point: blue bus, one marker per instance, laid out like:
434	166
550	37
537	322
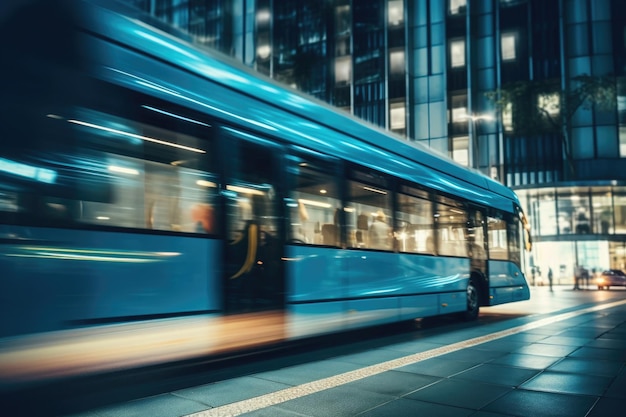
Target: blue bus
159	202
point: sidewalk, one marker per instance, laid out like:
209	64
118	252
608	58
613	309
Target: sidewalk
566	363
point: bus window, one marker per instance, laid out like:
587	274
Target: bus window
156	166
314	201
497	237
369	213
514	239
116	158
451	229
476	235
414	219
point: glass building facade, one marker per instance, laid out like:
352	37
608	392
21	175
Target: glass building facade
425	70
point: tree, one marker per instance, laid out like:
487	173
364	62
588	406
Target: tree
544	106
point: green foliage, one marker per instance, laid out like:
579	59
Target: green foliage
535	110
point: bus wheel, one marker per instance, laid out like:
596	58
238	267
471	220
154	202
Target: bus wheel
473	306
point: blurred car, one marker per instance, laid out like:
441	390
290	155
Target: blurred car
611	278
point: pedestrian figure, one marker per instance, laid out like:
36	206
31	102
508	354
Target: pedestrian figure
585	276
550	278
577	276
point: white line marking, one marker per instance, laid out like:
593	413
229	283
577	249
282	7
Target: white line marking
287	394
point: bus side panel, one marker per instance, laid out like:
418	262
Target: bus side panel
309	319
379	282
416	306
506	283
54	279
314	274
452	302
384	273
315	291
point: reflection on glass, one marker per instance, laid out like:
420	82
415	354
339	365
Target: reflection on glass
574	212
415	230
343	70
369	225
602	213
457	6
457	53
451	230
396	12
508	46
497	236
619	201
313	204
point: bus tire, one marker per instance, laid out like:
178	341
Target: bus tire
473	302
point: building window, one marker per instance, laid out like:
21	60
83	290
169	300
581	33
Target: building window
602	212
343	21
543	214
459	114
397	117
457	6
395	12
507	43
619	202
343	70
458	111
460	150
396	63
549	103
457	53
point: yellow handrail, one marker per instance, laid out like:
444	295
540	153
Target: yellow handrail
251	255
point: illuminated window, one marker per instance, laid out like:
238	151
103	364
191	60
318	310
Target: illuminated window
313	202
459	108
397	116
164	189
263	16
395	12
396	62
457	53
549	103
343	70
507	42
457	6
368	212
415	231
343	21
263	51
459	114
460	150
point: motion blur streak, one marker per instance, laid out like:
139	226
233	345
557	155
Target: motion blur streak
89	255
113	347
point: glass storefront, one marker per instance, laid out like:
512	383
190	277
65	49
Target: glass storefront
572	226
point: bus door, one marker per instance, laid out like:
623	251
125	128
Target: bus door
253	272
477	251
